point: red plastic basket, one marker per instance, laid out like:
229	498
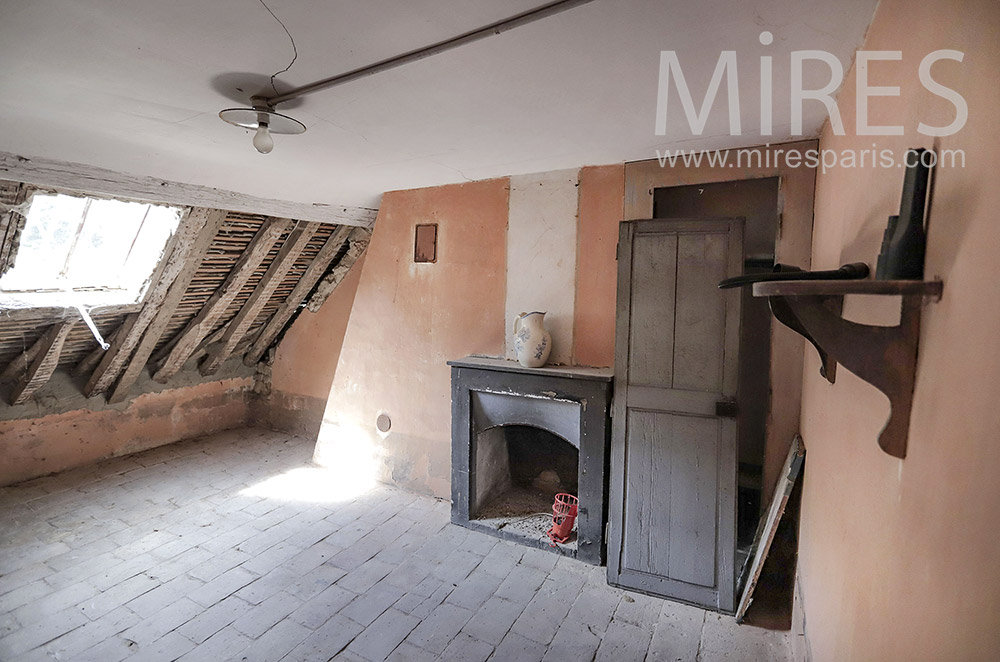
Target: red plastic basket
563	517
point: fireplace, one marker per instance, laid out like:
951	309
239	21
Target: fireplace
519	471
519	437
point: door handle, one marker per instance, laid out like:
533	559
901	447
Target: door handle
726	408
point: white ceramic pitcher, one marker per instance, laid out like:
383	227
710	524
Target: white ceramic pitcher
532	343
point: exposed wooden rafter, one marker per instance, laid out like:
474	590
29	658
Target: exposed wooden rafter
208	222
178	258
87	364
210	339
208	317
19	364
238	327
55	313
302	289
207	269
358	239
12	196
93	180
46	357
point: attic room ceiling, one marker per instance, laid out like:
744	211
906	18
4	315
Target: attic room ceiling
136	87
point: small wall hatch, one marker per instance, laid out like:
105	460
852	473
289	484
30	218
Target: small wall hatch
425	243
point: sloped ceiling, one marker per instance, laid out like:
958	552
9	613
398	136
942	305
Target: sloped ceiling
135	86
273	286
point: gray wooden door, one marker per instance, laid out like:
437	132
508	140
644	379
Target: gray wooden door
673	456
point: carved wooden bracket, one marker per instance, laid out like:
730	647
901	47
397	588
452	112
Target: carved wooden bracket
883	356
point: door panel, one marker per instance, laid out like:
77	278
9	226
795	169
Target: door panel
700	314
696	403
670	496
673	469
693	484
651	330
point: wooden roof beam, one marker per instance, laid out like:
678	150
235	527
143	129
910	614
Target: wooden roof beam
177	258
310	277
359	242
91	179
11	223
238	327
208	317
20	363
53	313
87	364
49	347
206	223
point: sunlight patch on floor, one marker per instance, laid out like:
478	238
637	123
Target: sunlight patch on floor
311	485
346	470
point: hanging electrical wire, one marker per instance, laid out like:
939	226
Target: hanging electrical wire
295	50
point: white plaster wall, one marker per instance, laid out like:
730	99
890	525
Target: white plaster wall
541	255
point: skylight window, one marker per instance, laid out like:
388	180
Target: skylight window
86	251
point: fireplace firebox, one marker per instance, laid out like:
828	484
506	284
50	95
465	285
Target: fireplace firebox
519	437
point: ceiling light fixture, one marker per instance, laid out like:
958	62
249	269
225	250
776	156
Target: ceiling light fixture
263	118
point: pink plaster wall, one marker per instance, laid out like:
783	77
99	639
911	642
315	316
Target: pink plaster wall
306	361
899	558
38	446
409	319
602	194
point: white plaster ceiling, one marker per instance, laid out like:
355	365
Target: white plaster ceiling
134	86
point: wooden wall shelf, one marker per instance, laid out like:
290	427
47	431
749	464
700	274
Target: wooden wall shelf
883	356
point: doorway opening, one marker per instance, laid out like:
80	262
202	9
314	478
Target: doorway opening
756	201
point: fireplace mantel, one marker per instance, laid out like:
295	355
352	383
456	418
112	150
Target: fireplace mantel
503	365
571	402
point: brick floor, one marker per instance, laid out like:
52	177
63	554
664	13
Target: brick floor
163	555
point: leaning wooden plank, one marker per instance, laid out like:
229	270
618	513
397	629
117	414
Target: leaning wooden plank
238	327
765	531
312	274
207	318
45	362
91	179
177	258
213	221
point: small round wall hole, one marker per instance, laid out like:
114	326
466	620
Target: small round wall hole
383	423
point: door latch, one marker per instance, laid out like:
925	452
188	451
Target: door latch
726	408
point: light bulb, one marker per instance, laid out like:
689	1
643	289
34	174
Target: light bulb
262	140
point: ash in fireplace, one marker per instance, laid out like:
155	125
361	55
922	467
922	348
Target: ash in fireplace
523	511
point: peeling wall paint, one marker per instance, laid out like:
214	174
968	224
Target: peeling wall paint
61	394
331	282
